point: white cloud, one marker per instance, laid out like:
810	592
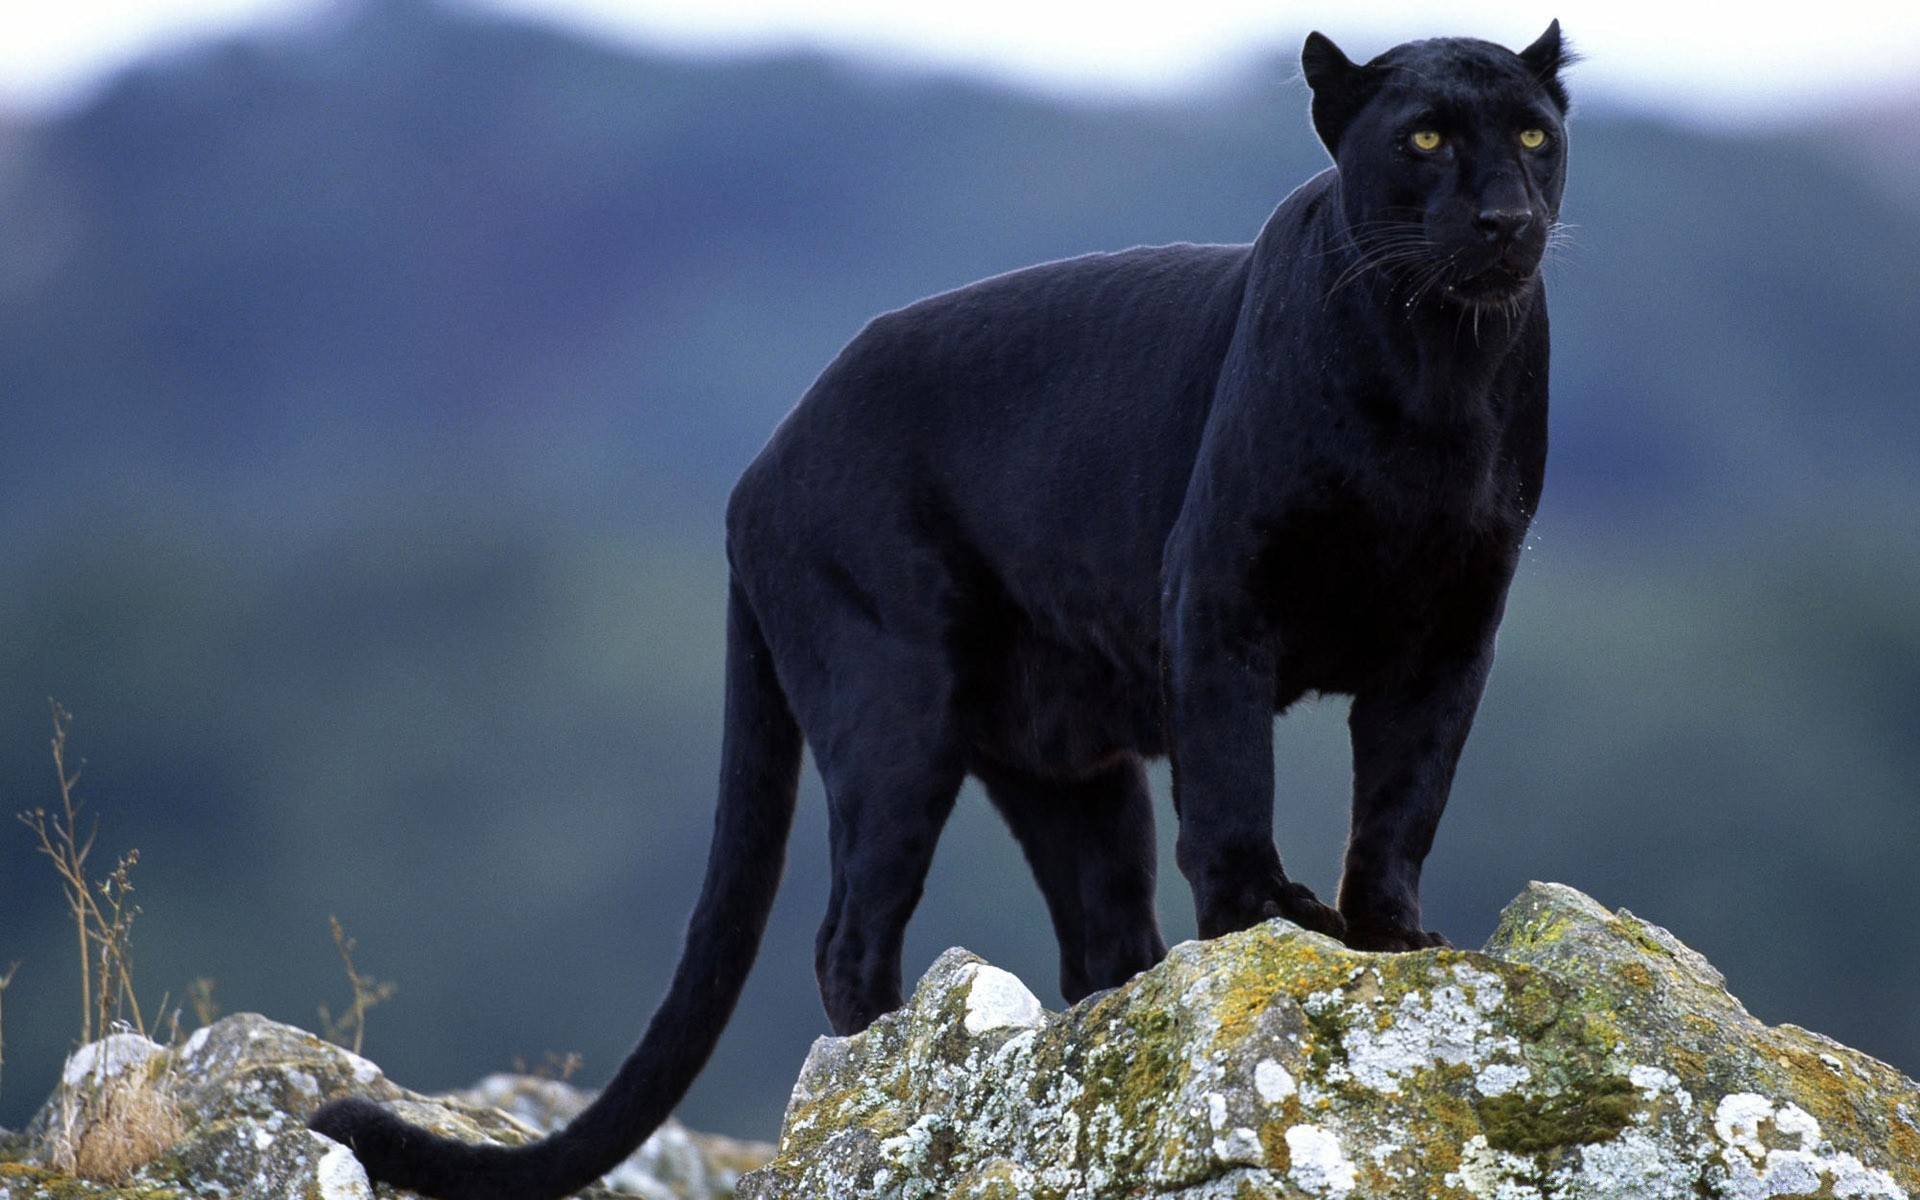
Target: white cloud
1692	56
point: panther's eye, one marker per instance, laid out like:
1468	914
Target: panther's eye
1425	139
1533	139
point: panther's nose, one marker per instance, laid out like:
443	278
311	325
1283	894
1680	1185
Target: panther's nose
1502	224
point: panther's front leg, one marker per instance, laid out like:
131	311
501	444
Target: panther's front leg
1218	688
1407	739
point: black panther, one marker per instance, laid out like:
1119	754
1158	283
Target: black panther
1043	528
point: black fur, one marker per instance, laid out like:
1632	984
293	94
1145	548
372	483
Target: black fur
1042	528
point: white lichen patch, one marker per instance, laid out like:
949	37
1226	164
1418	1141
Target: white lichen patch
1497	1079
1239	1147
1794	1121
1851	1177
1317	1164
1448	1025
1799	1173
1745	1123
1737	1120
1651	1080
1489	1174
1486	990
996	999
912	1144
1273	1082
1633	1166
107	1058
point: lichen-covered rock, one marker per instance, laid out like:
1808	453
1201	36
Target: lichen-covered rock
240	1092
1582	1054
675	1163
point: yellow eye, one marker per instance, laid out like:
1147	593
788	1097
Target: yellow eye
1533	139
1426	139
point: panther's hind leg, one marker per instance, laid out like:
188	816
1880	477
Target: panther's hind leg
1047	825
1119	857
885	819
1090	843
891	769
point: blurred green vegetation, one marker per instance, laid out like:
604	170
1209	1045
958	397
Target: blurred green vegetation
371	394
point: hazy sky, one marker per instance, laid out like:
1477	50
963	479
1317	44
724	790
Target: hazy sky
1769	59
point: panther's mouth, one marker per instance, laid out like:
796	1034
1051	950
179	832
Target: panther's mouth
1494	284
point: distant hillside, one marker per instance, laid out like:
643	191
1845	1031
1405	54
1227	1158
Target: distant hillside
368	397
421	226
1883	143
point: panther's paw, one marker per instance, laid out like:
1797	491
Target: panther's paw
1298	904
1264	899
1394	938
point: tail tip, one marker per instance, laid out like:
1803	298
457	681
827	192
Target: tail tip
361	1125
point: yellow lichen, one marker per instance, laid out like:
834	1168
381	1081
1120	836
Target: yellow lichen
1691	1063
1597	1029
1446	1122
1273	1140
1835	1099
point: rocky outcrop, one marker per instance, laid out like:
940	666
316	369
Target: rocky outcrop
1583	1053
223	1116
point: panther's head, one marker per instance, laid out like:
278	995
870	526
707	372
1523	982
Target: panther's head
1452	159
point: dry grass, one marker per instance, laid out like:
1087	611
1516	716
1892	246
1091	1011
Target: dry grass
116	1110
117	1115
558	1067
113	1122
351	1026
200	995
102	912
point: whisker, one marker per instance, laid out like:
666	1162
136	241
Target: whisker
1389	246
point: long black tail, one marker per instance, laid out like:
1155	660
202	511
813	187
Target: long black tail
759	774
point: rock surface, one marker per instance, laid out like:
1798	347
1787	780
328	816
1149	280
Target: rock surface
242	1089
674	1164
1582	1054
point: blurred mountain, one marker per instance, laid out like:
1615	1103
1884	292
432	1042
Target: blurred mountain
1883	143
368	396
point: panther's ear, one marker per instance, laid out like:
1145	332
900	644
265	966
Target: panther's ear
1545	58
1339	88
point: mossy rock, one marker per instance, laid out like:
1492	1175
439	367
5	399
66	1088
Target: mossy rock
239	1094
1583	1054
